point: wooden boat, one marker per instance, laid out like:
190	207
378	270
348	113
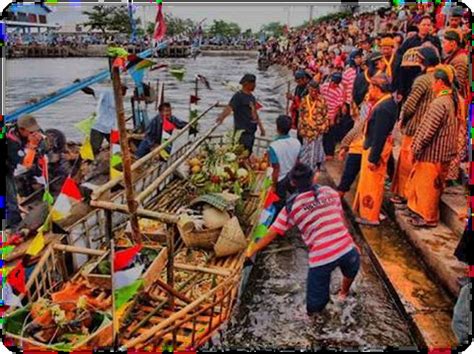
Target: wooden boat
203	293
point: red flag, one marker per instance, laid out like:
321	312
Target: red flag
194	99
43	165
258	105
272	197
16	278
123	258
71	189
160	25
114	137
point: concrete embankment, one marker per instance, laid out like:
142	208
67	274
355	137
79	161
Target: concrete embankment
411	272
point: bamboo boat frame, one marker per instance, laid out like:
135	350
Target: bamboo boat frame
213	307
42	282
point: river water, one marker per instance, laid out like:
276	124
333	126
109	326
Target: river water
32	78
272	311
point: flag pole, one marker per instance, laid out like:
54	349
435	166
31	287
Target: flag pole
126	158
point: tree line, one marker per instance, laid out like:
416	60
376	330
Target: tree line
108	18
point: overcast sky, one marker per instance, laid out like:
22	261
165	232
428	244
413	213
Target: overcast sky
247	16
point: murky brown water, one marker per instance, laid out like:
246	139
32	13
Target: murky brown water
272	312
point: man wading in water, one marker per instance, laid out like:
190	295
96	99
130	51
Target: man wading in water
243	104
317	212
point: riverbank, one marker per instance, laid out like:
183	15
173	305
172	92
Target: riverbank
99	51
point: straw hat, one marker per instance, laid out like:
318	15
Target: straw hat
231	240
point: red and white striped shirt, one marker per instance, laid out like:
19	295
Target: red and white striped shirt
348	79
334	97
321	223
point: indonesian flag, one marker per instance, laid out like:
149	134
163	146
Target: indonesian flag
160	25
68	197
123	259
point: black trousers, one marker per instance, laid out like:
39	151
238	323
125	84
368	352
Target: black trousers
247	139
283	189
97	138
336	133
351	170
13	212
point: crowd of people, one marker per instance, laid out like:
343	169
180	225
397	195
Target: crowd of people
361	82
407	66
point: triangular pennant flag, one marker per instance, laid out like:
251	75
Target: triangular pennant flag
194	99
123	258
9	297
86	150
43	165
127	277
119	63
16	278
124	294
61	208
259	232
266	217
115	160
85	126
114	173
48	198
6	250
272	197
178	73
114	137
36	245
267	183
71	189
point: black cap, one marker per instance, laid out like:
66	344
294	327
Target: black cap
457	11
336	77
248	78
451	35
429	56
314	84
373	57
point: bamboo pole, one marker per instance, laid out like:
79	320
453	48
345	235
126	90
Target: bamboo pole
75	249
216	271
172	291
169	265
139	163
170	320
170	170
154	215
126	158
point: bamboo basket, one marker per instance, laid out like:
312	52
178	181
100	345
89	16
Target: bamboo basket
52	271
231	239
198	239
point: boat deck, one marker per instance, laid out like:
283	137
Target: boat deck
209	285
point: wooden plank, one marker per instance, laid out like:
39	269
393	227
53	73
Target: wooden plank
154	270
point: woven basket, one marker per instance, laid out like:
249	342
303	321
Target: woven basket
231	240
197	239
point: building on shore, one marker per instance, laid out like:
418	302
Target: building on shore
28	18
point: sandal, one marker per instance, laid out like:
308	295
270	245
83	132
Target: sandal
419	222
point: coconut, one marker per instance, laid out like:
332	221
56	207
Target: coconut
214	218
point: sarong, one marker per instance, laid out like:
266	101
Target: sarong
370	189
312	152
404	167
425	187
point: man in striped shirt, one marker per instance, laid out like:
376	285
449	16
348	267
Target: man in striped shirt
317	212
349	75
333	93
